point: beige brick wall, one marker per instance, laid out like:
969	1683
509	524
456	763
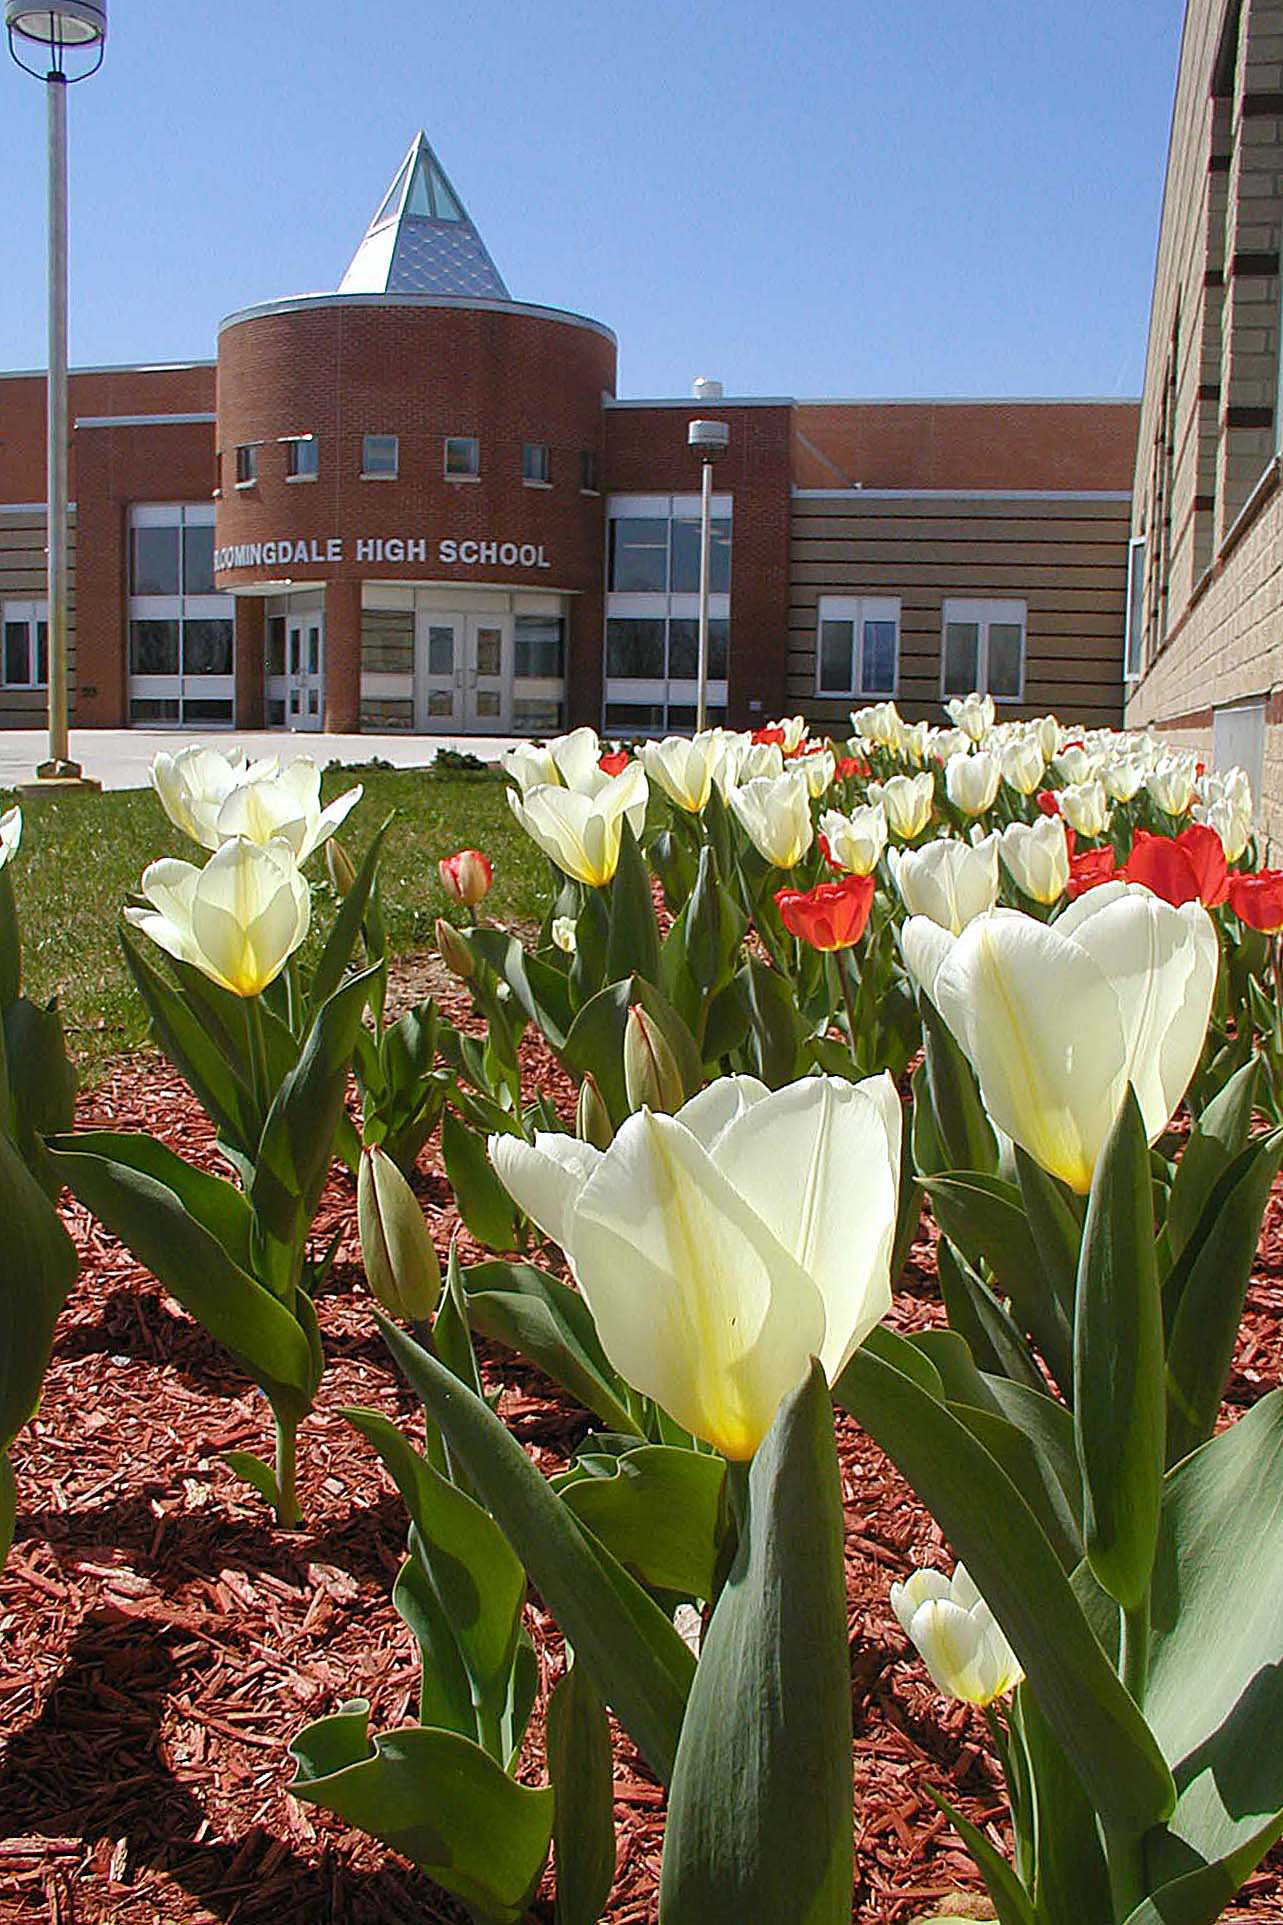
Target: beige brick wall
1207	494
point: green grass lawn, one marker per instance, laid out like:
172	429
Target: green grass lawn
82	855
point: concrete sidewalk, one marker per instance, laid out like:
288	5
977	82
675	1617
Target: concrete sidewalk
120	758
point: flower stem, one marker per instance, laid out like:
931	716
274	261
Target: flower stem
287	1511
848	997
257	1056
1133	1664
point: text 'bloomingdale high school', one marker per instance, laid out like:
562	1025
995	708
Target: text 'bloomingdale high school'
230	568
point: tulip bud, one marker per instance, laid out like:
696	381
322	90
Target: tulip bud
339	867
592	1118
565	934
466	876
651	1076
400	1258
454	951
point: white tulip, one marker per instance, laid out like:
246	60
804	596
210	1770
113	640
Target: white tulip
951	882
881	722
818	771
857	840
775	814
973	714
1085	808
971	781
1171	784
194	784
10	833
1057	1019
531	766
1075	764
794	727
907	800
943	744
682	768
957	1636
238	920
1023	764
1036	856
565	934
577	759
915	743
759	759
582	833
1123	776
1231	825
721	1248
285	806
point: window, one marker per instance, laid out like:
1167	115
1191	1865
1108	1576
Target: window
857	646
983	647
1135	607
301	457
538	648
635	647
685	541
588	471
380	457
247	464
462	457
24	662
181	633
639	555
535	464
683	648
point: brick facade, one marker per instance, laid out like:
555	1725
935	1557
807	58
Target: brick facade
1206	495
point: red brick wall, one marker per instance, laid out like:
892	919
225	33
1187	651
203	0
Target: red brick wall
1075	445
342	369
647	453
117	467
178	390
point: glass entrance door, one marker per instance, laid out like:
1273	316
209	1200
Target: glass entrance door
488	707
305	670
438	671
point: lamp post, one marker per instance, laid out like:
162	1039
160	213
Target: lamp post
71	35
708	439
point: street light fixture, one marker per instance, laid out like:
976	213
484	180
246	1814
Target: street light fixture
71	35
708	439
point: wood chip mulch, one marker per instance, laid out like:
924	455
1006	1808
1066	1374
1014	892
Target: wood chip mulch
160	1641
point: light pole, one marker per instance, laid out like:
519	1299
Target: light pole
708	439
72	35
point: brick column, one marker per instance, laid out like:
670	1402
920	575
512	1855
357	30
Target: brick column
343	657
250	627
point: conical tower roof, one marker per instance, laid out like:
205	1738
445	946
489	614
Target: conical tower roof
421	240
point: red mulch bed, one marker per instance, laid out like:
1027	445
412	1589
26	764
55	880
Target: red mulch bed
160	1642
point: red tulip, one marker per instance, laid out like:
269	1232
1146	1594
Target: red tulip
768	736
849	765
1189	867
616	763
466	876
830	916
1089	870
1257	899
1048	801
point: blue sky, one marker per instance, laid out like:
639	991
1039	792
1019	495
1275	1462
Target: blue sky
934	197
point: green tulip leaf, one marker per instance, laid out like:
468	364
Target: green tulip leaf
1217	1139
540	990
445	1695
985	1217
254	1471
1210	1281
629	1649
992	1529
759	1813
346	927
1199	1897
484	1204
961	1125
207	1061
10	942
633	943
1120	1412
1057	1235
547	1322
1010	1899
8	1506
777	1033
658	1513
191	1231
1072	1882
982	1319
436	1797
37	1272
581	1770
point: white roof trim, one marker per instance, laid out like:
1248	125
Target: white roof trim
300	303
141	420
962	494
110	367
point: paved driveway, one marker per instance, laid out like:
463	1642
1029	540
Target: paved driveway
120	758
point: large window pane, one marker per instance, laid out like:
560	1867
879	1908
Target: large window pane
204	708
153	648
683	649
42	653
639	554
837	641
623	717
17	653
877	663
1006	651
146	708
207	648
276	645
155	561
635	647
380	454
961	657
198	559
537	646
441	648
686	557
